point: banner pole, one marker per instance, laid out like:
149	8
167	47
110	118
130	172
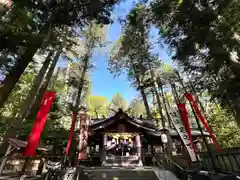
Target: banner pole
177	101
204	139
198	123
72	129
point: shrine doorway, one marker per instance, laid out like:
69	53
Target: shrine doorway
121	144
122	149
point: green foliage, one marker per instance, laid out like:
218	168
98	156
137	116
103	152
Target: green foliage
98	106
129	51
132	52
180	2
31	25
137	108
166	74
55	126
204	36
79	81
224	127
35	14
75	74
56	123
118	102
18	94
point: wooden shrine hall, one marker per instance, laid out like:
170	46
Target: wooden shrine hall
121	140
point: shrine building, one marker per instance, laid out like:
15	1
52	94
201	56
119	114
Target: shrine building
122	140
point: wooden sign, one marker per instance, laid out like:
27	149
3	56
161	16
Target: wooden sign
183	134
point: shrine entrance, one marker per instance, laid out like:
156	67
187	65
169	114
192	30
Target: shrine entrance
121	140
122	149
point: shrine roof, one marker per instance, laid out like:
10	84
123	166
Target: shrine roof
148	125
144	124
22	144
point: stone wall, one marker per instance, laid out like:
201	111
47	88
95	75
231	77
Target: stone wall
34	165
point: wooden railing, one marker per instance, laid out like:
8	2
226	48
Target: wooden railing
227	161
178	170
192	174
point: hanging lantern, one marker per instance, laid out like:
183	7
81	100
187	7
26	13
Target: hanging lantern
164	138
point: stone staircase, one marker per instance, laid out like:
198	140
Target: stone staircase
121	173
18	177
122	161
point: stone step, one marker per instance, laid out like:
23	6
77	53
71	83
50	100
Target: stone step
121	175
122	161
17	177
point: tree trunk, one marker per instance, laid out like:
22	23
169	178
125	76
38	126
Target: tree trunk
25	105
10	81
175	94
96	112
81	82
168	103
169	106
54	80
153	96
36	85
80	88
155	89
197	97
141	88
165	107
34	107
145	102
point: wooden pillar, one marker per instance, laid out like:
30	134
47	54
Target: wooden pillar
169	144
5	157
152	150
139	148
104	151
25	164
203	144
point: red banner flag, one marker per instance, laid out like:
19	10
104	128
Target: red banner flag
200	116
74	117
184	117
39	123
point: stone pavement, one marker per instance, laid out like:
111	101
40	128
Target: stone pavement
118	173
17	177
109	173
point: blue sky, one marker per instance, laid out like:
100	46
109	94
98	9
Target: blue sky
103	83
